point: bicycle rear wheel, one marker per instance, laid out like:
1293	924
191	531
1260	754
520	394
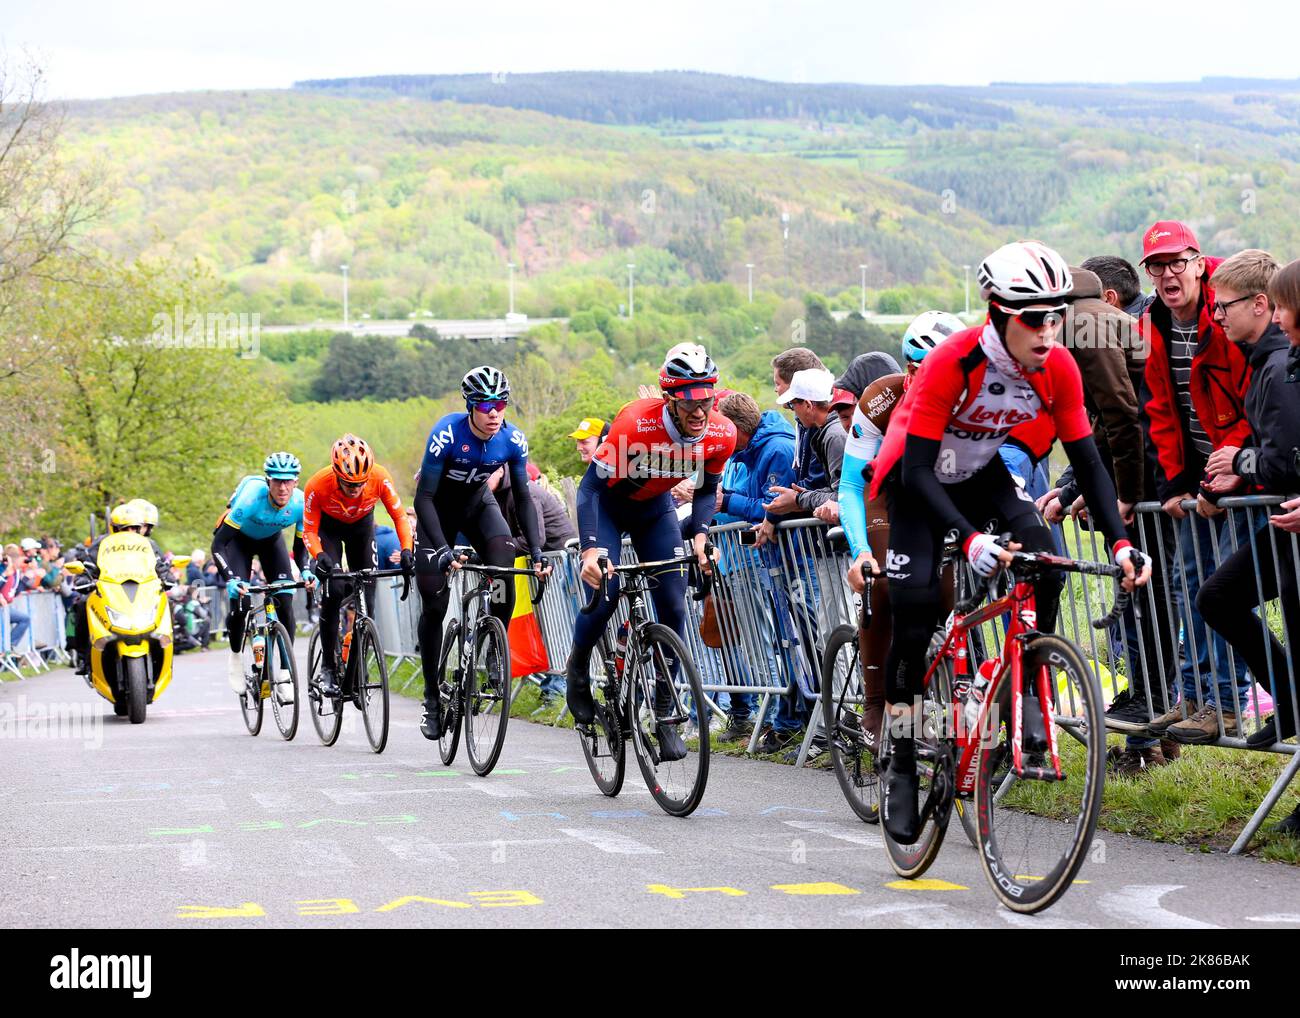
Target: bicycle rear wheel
853	762
602	743
371	677
1030	860
677	785
326	713
487	695
282	672
449	679
250	701
935	766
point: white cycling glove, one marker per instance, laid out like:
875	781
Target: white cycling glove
982	553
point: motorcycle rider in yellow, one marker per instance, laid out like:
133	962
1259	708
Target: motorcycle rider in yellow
127	516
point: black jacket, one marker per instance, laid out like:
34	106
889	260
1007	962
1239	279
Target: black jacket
865	369
1273	409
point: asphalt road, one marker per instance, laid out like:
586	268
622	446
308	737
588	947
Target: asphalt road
187	821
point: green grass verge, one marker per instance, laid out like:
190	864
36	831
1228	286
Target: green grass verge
1202	801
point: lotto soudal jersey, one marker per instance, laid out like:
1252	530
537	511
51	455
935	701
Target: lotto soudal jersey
970	394
645	455
457	462
252	513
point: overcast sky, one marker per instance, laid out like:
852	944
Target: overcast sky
94	49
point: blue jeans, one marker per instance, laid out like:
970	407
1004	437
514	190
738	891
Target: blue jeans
553	684
1205	661
19	622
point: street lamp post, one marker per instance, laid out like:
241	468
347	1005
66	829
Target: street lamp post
750	267
863	308
345	293
966	273
511	267
631	306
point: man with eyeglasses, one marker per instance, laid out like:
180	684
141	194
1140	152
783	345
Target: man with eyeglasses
338	519
1193	396
463	450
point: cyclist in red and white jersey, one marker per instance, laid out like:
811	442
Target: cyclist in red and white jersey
940	467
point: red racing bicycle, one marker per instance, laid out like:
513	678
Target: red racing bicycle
996	741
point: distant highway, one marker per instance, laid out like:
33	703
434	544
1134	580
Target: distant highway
447	328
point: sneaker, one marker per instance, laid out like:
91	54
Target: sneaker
671	744
899	811
816	747
329	686
1290	826
235	672
1170	717
1130	763
1203	726
737	730
1128	713
431	722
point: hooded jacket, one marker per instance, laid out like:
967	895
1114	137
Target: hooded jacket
1267	461
767	460
1220	376
865	369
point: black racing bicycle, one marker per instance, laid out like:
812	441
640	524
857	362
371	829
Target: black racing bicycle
474	671
646	686
360	668
270	671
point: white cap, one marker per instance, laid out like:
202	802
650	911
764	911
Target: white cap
198	556
30	544
811	383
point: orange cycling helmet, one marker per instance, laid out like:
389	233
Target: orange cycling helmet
352	459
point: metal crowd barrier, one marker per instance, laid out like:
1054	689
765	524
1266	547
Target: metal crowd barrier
44	639
776	606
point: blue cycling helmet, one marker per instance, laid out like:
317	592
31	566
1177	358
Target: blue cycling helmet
927	331
282	466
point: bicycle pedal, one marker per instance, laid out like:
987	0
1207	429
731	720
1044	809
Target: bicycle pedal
1038	774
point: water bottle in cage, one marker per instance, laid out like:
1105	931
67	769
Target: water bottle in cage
620	648
975	699
259	650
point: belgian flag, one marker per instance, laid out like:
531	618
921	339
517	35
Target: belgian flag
527	651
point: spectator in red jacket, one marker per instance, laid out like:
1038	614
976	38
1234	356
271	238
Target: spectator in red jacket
1193	396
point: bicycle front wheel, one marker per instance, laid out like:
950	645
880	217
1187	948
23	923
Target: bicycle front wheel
842	705
371	679
326	713
674	760
1029	855
602	742
487	695
282	672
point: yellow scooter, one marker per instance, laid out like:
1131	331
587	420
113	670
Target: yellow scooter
130	624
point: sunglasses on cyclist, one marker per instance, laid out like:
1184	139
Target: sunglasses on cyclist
1035	317
487	406
350	487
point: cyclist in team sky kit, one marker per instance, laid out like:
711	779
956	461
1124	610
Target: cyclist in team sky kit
867	525
652	445
463	451
939	465
338	516
258	512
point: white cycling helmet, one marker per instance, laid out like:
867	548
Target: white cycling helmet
928	330
1024	271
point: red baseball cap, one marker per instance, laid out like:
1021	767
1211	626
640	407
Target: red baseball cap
842	396
1168	237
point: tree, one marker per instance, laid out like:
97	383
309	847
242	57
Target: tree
152	400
